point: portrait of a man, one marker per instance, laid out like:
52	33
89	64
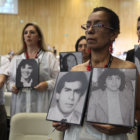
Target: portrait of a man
113	102
69	59
70	94
27	73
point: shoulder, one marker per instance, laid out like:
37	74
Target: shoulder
80	67
49	54
119	63
95	94
130	51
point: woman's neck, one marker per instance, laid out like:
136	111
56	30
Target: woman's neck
32	51
99	58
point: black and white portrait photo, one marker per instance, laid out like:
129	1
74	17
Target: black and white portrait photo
113	99
27	73
69	97
70	59
137	57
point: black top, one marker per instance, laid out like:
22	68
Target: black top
130	55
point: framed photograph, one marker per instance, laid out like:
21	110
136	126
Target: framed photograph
69	97
112	96
27	73
137	57
70	59
8	6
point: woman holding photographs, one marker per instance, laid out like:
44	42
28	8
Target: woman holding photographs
33	99
112	103
101	29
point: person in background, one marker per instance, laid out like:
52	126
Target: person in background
131	53
36	99
3	117
81	46
54	51
101	29
11	55
131	57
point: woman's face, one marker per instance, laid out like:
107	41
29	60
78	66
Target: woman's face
31	36
113	82
26	71
82	47
71	62
102	37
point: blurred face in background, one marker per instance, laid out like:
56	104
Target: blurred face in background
138	30
82	47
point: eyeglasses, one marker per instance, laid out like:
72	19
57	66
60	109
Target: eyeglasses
95	27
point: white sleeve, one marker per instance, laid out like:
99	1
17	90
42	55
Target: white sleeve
12	74
5	63
54	69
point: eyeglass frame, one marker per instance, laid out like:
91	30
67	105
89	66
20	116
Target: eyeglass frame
96	25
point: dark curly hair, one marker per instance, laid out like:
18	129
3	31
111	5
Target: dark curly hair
110	72
72	77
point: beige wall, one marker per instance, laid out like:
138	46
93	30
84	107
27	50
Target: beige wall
60	22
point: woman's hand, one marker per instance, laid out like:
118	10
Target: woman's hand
41	86
111	129
60	126
15	90
2	80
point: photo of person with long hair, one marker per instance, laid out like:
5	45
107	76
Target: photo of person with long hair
69	59
27	73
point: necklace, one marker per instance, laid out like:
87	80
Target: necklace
27	55
89	66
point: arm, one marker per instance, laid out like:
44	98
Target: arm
12	76
60	126
110	129
2	79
